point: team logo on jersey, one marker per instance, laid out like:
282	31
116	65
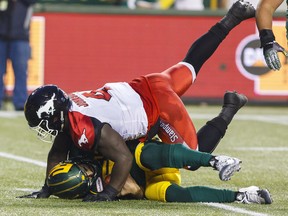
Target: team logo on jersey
48	107
169	130
83	139
251	63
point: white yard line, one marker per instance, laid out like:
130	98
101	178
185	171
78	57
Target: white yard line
276	119
43	164
23	159
262	149
235	209
11	114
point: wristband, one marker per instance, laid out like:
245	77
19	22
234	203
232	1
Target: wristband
45	187
110	191
266	36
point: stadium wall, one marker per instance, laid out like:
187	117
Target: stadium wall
85	50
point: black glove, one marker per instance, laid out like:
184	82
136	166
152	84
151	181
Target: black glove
43	193
108	194
271	49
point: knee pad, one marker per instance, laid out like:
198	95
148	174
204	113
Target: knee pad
157	191
165	174
137	154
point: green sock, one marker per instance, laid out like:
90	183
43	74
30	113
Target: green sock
176	193
158	155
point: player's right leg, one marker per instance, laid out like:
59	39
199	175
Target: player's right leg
250	195
156	155
205	46
212	132
165	191
181	79
176	125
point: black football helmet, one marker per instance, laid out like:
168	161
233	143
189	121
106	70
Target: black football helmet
45	110
71	180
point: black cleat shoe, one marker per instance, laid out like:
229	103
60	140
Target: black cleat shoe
239	11
232	103
234	100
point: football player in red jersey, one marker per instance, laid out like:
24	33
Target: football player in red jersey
100	121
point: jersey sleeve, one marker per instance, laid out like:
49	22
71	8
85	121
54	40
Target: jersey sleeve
85	131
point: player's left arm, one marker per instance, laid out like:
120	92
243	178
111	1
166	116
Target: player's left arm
130	190
264	16
58	151
264	13
112	146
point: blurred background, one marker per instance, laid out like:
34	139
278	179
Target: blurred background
83	44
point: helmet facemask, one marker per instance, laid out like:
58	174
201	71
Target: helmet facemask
44	133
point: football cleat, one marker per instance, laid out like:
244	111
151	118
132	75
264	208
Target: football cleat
239	11
255	195
231	104
234	100
226	166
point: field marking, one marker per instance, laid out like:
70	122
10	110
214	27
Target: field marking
43	164
235	209
23	159
262	149
11	114
25	190
277	119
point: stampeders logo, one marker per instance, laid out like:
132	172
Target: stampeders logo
169	131
47	108
251	63
83	139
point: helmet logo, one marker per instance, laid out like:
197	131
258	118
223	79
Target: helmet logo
83	139
48	107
